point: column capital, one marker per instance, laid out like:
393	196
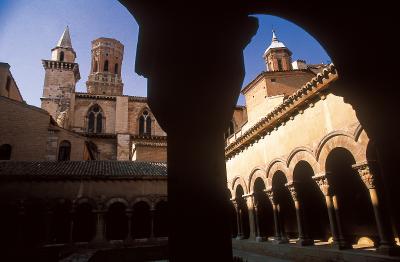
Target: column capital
292	190
322	182
270	194
366	173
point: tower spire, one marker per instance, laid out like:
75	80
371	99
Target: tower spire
65	39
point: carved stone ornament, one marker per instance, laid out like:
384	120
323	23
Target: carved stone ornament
366	175
270	195
292	191
323	184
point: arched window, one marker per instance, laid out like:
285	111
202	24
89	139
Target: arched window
116	68
64	151
145	124
5	152
61	56
95	119
106	66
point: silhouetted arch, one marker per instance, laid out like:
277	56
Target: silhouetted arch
84	222
64	151
141	220
5	152
116	221
161	219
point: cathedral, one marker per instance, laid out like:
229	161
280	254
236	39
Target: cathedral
91	173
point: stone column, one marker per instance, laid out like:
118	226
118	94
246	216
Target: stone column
48	225
278	238
100	226
386	236
152	210
21	221
334	221
303	239
250	209
239	235
256	203
128	238
71	227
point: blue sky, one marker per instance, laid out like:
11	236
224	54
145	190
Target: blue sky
29	29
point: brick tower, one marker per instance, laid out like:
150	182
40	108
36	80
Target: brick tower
277	56
105	74
61	76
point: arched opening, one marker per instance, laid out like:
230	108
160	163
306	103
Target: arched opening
62	56
64	151
161	219
312	203
116	222
84	226
116	69
105	69
285	207
141	220
61	223
265	216
5	152
243	217
33	224
9	225
145	123
354	203
95	119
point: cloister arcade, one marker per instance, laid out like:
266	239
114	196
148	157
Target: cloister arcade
38	222
332	194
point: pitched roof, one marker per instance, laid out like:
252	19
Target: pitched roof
65	39
82	169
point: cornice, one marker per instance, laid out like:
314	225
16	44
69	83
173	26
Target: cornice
299	101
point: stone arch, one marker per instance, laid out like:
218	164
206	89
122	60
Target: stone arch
340	139
301	154
83	200
257	172
115	200
239	181
141	199
277	164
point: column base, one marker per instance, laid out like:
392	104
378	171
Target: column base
390	250
341	244
305	242
261	239
239	237
279	240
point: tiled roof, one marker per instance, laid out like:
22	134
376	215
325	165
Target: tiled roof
82	169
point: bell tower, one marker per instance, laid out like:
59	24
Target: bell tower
61	76
277	56
105	73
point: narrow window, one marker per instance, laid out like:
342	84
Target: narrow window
279	64
145	124
5	152
61	56
116	69
106	66
95	120
64	151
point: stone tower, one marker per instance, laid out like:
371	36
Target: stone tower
277	56
61	76
105	74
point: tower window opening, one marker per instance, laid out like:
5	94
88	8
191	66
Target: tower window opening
64	151
95	120
106	66
95	66
145	123
116	69
280	68
61	56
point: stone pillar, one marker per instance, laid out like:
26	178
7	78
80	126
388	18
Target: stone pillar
48	225
386	237
100	227
303	239
250	210
152	210
71	227
128	238
257	221
239	235
334	221
21	221
279	237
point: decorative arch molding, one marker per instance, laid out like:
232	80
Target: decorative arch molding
357	132
116	200
236	182
277	164
257	172
141	199
329	136
85	200
344	140
301	154
158	200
